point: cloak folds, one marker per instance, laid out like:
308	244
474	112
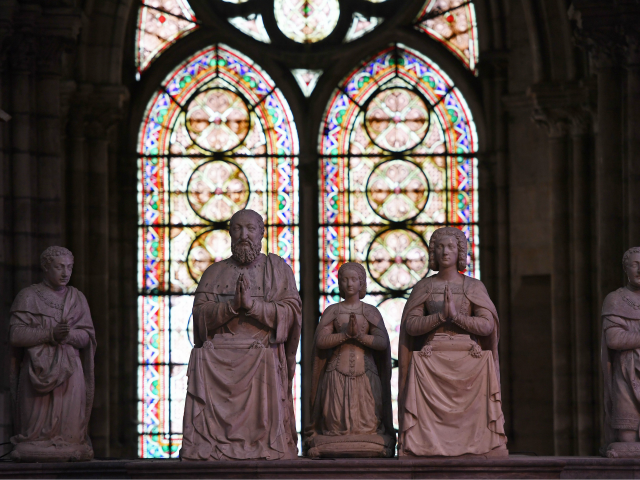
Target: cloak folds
476	293
50	364
322	356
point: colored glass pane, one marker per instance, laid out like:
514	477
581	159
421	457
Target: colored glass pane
397	161
217	136
160	24
306	21
452	23
251	25
307	79
361	25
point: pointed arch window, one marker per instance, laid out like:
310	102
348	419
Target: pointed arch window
217	136
397	160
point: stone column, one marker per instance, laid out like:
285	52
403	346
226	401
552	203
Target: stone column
609	176
22	168
632	176
49	170
103	109
584	325
561	109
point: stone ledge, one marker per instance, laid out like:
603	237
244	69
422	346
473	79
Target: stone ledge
512	467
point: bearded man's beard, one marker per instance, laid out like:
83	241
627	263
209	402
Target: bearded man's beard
245	252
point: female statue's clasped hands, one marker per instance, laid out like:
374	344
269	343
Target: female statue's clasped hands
351	394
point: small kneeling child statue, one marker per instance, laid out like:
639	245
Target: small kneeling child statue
449	374
351	388
53	344
620	363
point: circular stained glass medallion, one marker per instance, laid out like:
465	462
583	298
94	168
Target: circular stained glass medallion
218	120
398	258
397	119
207	248
306	21
218	189
397	190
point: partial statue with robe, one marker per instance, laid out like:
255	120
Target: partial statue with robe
246	326
52	378
621	363
351	412
449	400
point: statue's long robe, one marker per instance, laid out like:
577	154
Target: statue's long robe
382	359
620	365
239	402
52	383
449	403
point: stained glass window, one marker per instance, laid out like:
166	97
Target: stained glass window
251	25
361	25
397	160
306	21
160	24
217	136
307	79
452	23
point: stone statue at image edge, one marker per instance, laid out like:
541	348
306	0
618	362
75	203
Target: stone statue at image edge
621	363
53	344
246	327
449	373
351	387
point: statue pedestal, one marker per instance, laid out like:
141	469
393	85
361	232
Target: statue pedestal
515	466
46	451
351	446
623	450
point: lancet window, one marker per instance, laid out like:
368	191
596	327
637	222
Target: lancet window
397	160
217	136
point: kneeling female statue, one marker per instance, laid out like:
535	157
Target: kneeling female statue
351	390
449	380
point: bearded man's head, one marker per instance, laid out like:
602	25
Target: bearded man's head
246	228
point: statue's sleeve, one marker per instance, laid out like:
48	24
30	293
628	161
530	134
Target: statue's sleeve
419	324
210	313
264	312
24	337
77	338
375	339
481	323
617	335
284	311
325	337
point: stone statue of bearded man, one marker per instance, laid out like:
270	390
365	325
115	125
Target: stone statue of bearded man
247	321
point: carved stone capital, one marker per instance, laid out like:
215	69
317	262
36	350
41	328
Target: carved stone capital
96	108
21	52
562	108
48	54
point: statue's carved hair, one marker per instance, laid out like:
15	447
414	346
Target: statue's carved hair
47	256
247	211
461	240
627	254
362	275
